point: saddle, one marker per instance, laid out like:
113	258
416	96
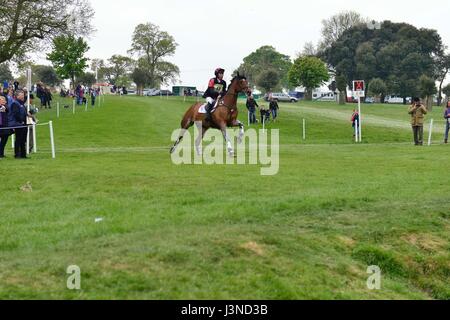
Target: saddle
202	109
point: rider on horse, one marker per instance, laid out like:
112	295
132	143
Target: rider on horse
216	89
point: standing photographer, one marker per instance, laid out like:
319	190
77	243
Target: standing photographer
417	112
447	121
4	133
17	119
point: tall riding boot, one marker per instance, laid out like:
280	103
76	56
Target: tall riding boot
208	111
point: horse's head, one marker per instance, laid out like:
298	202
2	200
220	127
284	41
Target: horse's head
241	84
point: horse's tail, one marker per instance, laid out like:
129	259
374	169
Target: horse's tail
189	117
186	123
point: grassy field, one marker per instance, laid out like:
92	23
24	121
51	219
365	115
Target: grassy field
226	232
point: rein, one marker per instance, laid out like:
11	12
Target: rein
222	102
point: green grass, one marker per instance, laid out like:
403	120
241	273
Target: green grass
226	232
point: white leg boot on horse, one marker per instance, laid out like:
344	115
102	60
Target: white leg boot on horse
198	141
239	124
228	141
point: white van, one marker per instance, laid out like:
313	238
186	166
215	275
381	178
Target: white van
395	99
324	96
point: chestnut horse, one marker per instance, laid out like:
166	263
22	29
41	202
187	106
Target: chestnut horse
225	115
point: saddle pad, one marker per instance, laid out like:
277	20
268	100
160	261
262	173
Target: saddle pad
202	109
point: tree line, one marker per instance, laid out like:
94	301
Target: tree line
393	58
62	27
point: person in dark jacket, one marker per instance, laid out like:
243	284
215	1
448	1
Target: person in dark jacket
4	133
447	121
265	114
217	88
274	108
355	120
17	118
48	98
251	107
40	93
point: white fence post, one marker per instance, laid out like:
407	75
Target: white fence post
34	139
304	129
431	132
28	140
52	138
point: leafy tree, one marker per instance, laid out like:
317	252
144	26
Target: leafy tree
118	67
377	87
88	79
268	80
341	84
152	45
397	53
442	70
28	25
263	59
97	66
335	26
123	81
309	72
5	73
427	89
446	91
68	57
46	74
140	78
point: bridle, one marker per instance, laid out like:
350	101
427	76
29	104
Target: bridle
235	94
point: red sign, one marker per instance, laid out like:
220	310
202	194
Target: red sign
359	85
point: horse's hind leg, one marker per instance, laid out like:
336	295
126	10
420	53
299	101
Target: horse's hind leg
185	125
201	134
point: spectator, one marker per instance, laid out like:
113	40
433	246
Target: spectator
48	98
417	112
16	85
274	108
355	118
62	93
10	97
251	107
40	93
17	118
447	118
5	85
4	133
93	96
265	114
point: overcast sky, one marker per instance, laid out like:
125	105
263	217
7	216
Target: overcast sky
213	33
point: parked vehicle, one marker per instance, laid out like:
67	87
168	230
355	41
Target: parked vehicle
369	100
152	92
324	96
297	94
166	93
396	99
282	97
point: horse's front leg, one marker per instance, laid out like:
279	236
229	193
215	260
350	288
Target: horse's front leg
227	140
239	124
